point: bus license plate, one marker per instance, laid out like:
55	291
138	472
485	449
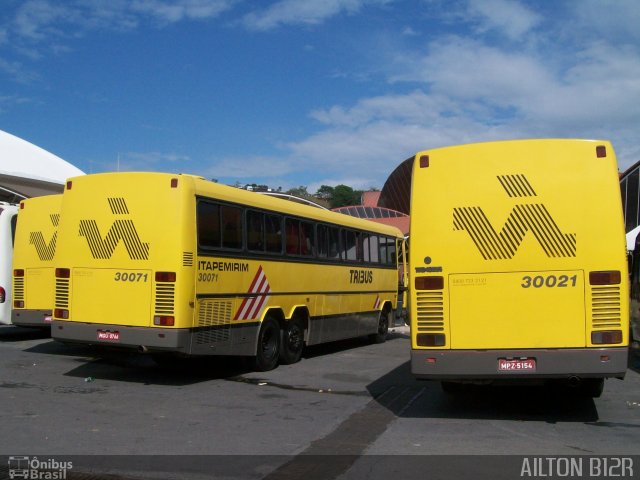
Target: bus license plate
108	336
517	365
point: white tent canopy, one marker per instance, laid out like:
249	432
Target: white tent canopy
27	170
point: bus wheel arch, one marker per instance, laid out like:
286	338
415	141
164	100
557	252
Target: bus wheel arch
384	320
293	336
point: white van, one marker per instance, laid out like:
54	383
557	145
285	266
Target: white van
8	218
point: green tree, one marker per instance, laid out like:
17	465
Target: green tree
325	192
300	191
344	195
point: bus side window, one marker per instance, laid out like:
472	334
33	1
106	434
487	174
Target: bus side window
208	218
334	243
323	241
292	230
231	227
350	245
306	238
273	232
255	231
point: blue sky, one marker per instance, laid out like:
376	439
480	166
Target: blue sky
312	92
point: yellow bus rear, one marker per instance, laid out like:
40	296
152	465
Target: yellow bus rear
176	264
518	263
33	261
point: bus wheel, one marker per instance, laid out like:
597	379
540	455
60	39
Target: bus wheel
592	387
292	342
268	346
383	326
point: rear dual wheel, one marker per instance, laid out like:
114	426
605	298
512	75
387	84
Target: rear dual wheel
292	341
268	350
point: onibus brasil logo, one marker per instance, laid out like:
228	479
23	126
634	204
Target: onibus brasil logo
121	230
524	218
38	469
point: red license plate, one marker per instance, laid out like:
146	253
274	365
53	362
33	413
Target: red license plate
108	336
517	365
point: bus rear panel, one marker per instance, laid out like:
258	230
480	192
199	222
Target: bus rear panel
518	267
33	261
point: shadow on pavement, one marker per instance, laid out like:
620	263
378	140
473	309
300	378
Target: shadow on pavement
425	399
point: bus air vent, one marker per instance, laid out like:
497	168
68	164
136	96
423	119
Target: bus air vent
62	293
18	288
214	319
187	259
165	295
605	306
430	311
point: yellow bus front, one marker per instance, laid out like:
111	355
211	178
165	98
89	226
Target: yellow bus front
518	265
33	261
120	279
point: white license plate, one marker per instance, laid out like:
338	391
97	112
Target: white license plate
108	336
517	365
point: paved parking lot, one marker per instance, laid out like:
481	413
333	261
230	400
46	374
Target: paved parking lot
351	399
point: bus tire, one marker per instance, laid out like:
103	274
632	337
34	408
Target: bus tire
268	349
592	387
383	326
292	342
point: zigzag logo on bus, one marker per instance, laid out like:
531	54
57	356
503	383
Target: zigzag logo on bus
45	250
253	305
122	229
534	217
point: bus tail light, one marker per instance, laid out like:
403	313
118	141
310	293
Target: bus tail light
3	295
424	161
165	276
61	313
18	304
609	277
601	151
18	272
164	321
174	183
69	184
63	273
606	337
429	283
431	339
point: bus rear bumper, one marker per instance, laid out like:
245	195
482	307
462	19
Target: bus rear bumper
140	338
31	318
552	363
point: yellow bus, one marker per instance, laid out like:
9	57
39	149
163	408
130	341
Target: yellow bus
177	264
518	264
33	261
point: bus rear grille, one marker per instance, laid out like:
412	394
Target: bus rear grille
187	259
430	311
214	322
62	292
18	288
605	307
165	294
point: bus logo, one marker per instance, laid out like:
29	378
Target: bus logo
45	250
524	218
121	230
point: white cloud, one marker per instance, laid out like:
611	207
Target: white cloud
310	12
176	11
149	161
506	16
40	20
